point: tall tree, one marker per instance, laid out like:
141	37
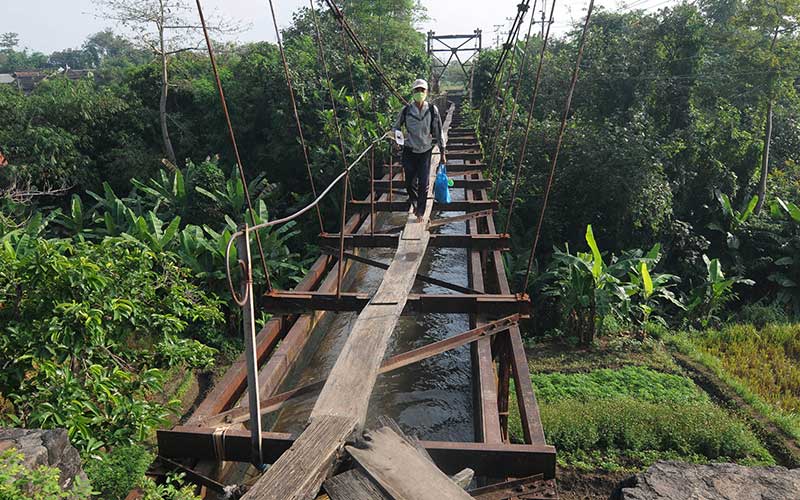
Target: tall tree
165	28
9	41
770	26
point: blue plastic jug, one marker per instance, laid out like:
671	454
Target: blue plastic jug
441	186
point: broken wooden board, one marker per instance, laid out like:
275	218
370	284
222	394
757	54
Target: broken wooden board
299	472
401	470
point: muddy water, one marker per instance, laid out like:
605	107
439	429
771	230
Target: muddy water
432	398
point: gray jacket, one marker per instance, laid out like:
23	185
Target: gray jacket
418	135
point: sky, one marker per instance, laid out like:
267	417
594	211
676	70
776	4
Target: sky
50	25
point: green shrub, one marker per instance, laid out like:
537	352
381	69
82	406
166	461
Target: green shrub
87	329
41	483
114	474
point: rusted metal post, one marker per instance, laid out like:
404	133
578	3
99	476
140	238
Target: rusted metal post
248	321
503	382
340	265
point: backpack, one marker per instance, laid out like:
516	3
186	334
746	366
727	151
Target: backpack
434	112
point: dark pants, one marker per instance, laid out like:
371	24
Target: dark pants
417	168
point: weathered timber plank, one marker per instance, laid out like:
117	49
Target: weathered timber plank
353	484
401	470
300	471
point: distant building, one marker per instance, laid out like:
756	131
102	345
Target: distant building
26	81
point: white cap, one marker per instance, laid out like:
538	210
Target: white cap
420	83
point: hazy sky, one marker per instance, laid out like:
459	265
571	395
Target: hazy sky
49	25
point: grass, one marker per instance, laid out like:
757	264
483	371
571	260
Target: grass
608	352
631	417
694	345
765	359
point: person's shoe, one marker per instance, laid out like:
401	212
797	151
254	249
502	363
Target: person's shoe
419	218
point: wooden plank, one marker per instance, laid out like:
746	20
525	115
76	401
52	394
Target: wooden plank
353	485
401	470
486	459
300	471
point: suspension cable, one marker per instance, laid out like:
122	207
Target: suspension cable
531	108
330	85
337	13
499	65
233	142
558	144
523	68
506	94
294	109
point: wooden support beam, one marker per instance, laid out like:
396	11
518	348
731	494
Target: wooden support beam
273	403
491	460
295	302
389	240
402	206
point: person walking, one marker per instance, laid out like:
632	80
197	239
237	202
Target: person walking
423	125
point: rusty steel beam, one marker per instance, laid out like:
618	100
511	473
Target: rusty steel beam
230	387
275	402
487	420
389	240
403	206
491	460
420	277
457	183
459	169
464	155
296	302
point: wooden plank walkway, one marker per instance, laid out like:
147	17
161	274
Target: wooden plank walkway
341	408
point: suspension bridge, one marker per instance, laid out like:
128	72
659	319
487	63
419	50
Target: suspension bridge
341	452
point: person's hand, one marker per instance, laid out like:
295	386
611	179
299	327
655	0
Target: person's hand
443	158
